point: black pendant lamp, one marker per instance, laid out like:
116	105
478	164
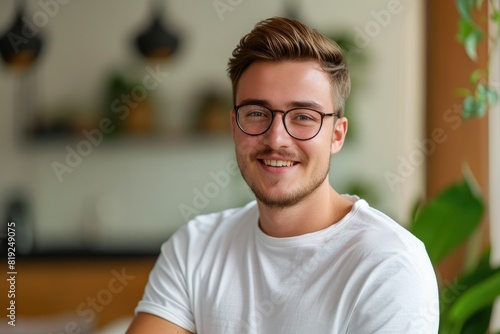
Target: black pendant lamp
156	41
21	44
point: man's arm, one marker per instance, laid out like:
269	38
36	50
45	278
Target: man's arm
151	324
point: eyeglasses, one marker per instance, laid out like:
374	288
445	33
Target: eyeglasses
300	123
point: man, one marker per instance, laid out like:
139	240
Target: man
301	258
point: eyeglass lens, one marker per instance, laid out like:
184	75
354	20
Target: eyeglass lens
299	123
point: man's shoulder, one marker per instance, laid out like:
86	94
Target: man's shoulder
382	230
219	224
380	243
223	219
209	235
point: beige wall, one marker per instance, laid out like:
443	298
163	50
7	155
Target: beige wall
494	175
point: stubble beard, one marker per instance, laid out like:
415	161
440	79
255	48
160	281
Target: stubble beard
289	199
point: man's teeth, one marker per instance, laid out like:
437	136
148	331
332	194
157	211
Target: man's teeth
278	163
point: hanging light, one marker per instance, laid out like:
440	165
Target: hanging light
157	42
21	44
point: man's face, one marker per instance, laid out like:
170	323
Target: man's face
305	164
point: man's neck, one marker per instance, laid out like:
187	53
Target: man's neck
321	209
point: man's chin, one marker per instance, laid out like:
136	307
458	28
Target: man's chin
279	202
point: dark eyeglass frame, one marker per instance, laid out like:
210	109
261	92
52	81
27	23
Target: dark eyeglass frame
284	112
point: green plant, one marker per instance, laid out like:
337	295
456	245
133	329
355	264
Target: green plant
466	302
481	94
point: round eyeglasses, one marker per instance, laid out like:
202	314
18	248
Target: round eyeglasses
300	123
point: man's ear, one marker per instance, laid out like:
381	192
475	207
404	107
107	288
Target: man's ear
339	133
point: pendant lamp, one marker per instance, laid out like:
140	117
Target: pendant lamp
21	44
157	41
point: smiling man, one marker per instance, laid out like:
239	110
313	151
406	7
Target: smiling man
302	257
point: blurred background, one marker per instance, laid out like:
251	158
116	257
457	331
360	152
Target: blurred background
168	113
114	132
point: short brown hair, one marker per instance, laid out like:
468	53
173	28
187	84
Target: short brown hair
278	39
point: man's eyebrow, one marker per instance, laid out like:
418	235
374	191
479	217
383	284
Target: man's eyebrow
255	101
290	105
305	104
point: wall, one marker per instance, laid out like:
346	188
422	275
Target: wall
136	187
494	173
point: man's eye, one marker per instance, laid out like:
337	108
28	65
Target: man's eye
303	118
256	114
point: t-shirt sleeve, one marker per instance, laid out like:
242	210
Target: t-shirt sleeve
400	296
166	294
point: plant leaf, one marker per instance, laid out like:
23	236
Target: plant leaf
478	322
463	92
449	292
495	17
471	42
468	107
474	299
476	76
464	29
473	107
492	95
470	36
481	93
480	272
447	221
464	8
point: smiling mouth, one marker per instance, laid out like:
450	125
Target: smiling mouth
278	163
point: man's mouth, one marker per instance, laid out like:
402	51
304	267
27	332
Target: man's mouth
278	163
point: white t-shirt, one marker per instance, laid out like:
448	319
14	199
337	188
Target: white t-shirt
365	274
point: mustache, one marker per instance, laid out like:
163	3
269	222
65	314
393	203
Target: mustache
270	151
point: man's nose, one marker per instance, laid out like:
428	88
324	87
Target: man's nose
277	134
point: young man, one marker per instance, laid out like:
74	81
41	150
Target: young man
301	258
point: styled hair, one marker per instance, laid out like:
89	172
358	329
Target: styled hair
281	39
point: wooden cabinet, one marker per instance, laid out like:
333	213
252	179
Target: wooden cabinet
93	291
